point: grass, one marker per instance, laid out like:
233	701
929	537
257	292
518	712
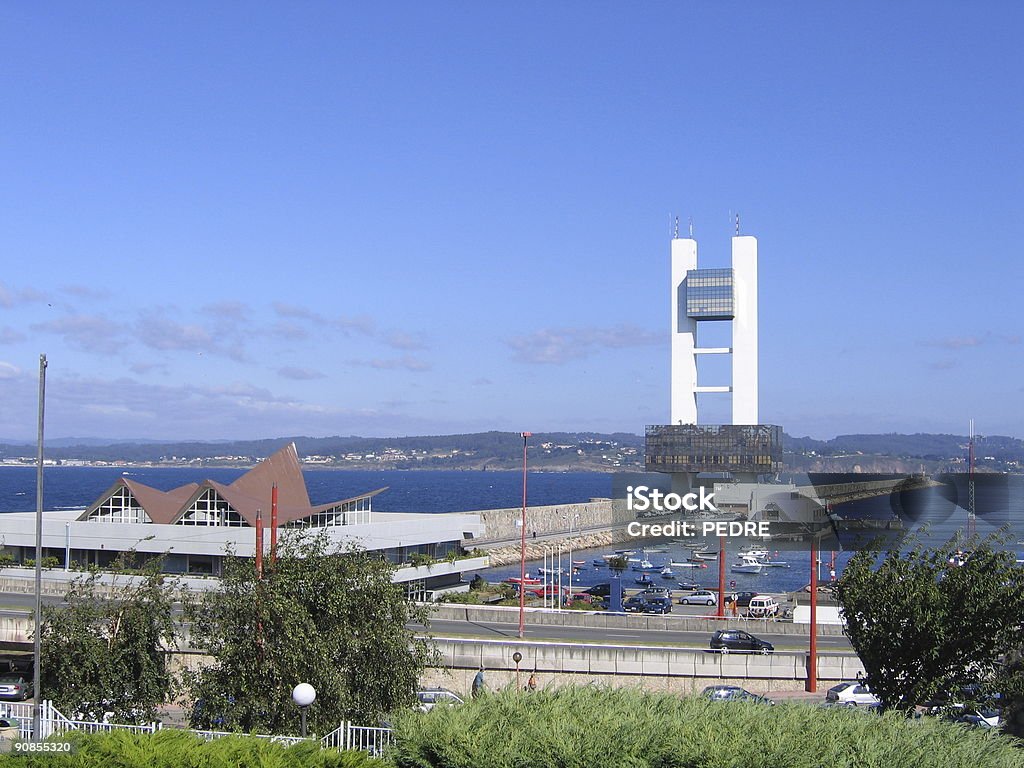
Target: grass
621	728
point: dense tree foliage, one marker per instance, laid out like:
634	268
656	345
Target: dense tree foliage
330	618
105	650
924	626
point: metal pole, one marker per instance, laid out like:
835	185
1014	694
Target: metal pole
302	717
36	714
67	546
812	660
570	555
721	577
273	525
522	549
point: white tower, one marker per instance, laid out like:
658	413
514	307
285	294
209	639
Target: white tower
703	295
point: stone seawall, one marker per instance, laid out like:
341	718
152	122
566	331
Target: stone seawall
503	525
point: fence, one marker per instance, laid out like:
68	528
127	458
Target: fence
344	737
359	737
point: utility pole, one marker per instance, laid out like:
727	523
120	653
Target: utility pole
36	669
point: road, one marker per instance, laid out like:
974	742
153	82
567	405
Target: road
630	636
18	604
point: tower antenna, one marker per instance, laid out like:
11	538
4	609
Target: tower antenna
691	227
675	232
737	225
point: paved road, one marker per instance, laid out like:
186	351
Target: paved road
628	636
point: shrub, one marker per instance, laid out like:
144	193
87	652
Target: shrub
581	727
181	748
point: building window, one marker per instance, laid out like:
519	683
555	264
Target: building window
119	507
211	509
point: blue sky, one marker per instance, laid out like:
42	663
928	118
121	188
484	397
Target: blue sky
230	220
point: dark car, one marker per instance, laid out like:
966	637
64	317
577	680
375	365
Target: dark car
726	640
689	586
743	599
599	590
650	592
15	688
658	604
634	604
733	693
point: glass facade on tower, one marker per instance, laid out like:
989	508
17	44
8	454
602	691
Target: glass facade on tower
709	294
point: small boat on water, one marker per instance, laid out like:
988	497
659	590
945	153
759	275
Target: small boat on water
667	573
645	580
600	562
747	565
644	565
677	564
578	563
705	555
551	572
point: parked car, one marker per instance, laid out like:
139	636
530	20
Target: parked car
634	604
762	607
15	688
742	599
726	640
700	597
733	693
656	592
689	586
853	692
599	590
658	604
428	698
9	730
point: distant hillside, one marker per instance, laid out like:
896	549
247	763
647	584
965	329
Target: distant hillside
588	451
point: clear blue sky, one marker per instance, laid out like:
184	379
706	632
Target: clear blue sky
240	220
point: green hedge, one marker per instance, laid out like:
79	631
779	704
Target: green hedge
602	728
181	749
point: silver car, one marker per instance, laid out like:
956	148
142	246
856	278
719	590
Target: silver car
700	597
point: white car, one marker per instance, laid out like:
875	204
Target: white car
700	597
854	693
428	698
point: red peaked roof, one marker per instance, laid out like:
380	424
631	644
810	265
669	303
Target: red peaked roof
249	493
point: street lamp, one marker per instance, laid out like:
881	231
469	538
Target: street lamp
522	547
303	695
517	657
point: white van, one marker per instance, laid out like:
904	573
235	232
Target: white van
763	607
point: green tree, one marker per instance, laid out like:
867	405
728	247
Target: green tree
923	626
106	649
328	617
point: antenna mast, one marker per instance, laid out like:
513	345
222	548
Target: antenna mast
971	518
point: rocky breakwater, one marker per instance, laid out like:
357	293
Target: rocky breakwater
535	548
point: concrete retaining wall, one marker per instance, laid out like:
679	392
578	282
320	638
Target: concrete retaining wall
673	669
603	619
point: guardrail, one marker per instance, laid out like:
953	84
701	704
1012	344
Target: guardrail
347	736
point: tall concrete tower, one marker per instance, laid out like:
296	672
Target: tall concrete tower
706	295
685	448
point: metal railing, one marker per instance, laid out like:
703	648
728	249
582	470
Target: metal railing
372	740
359	737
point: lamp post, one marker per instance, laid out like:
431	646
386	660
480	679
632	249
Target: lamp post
37	647
303	695
522	548
517	657
572	517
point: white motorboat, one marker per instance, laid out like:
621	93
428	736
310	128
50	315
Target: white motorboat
747	565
